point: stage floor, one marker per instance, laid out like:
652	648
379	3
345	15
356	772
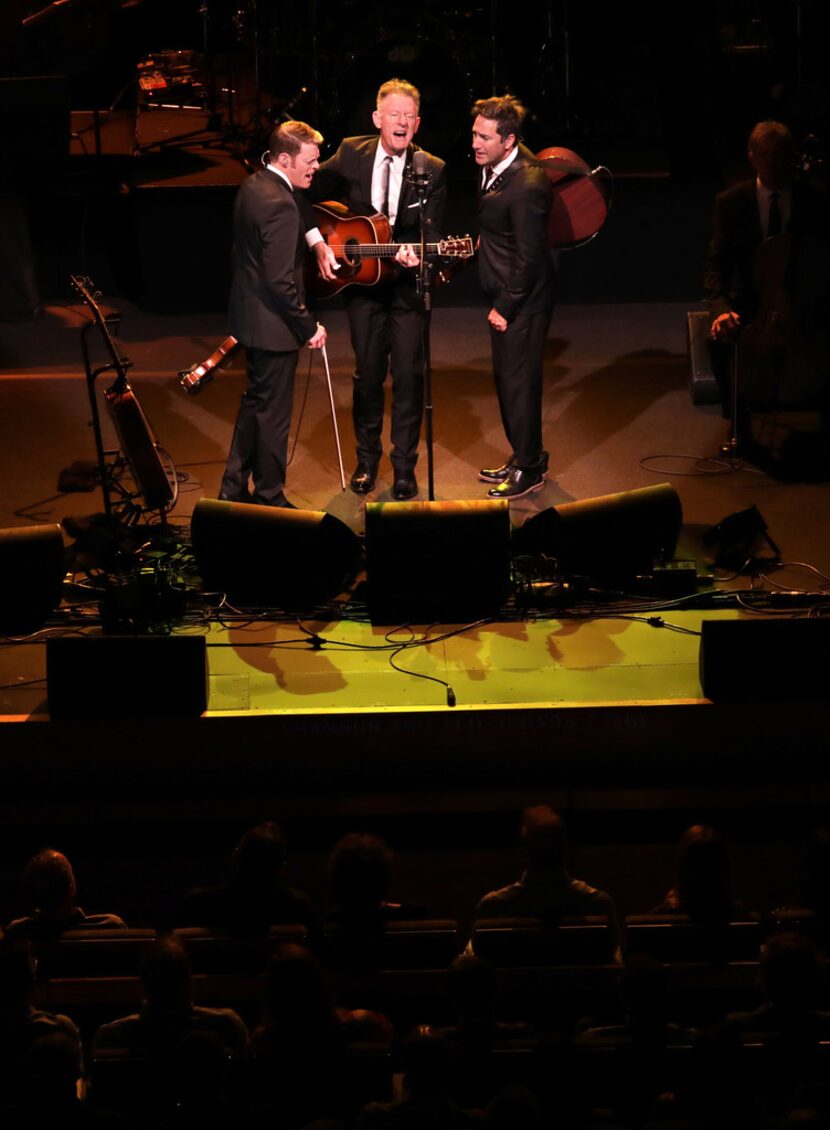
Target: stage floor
617	415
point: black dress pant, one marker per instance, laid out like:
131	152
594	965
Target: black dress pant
518	356
259	447
386	328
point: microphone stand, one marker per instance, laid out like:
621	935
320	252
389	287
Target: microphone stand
420	179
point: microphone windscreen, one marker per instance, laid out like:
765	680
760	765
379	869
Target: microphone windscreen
419	162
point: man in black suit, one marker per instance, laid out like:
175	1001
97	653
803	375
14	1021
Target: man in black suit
747	214
370	175
518	278
268	314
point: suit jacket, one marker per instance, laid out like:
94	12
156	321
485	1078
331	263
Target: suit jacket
347	176
514	263
729	279
267	304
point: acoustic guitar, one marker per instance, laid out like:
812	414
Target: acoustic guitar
363	247
138	444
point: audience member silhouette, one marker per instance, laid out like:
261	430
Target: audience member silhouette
791	977
360	880
545	889
168	1013
471	986
427	1103
703	885
199	1084
302	1038
53	1076
472	989
815	884
257	895
50	890
643	987
513	1108
21	1024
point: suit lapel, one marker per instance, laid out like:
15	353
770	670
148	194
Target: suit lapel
367	165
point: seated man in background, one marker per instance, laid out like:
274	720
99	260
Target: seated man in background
168	1014
257	895
21	1024
744	274
50	890
545	889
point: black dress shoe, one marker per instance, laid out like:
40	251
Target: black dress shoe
497	474
363	479
405	486
243	496
500	474
517	484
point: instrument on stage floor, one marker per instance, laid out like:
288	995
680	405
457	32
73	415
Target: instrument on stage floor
581	198
196	377
154	478
363	247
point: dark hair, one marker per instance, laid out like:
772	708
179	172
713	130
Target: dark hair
471	984
543	836
506	111
703	885
360	871
289	137
165	971
261	852
48	880
296	992
790	971
815	876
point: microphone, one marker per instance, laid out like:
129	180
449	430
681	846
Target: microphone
419	173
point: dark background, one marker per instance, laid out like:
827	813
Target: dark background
664	95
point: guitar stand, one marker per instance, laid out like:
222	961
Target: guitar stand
120	506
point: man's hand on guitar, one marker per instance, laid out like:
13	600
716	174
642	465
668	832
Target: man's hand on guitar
406	256
725	327
326	262
319	339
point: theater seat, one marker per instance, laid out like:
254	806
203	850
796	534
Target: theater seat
418	944
586	940
675	937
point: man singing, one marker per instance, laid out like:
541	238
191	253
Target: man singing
518	278
267	313
370	174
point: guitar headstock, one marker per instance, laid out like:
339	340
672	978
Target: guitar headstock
456	247
91	295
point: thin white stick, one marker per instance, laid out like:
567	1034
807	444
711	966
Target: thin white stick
334	418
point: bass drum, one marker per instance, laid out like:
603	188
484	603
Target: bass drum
401	44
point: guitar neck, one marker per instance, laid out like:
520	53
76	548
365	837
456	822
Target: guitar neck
377	250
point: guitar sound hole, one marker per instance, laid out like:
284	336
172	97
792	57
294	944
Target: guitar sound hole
351	254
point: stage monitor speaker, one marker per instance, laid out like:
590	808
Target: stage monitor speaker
446	562
614	536
126	676
32	568
270	555
768	659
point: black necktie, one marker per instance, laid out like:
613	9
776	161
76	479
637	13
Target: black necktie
488	177
384	185
774	221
